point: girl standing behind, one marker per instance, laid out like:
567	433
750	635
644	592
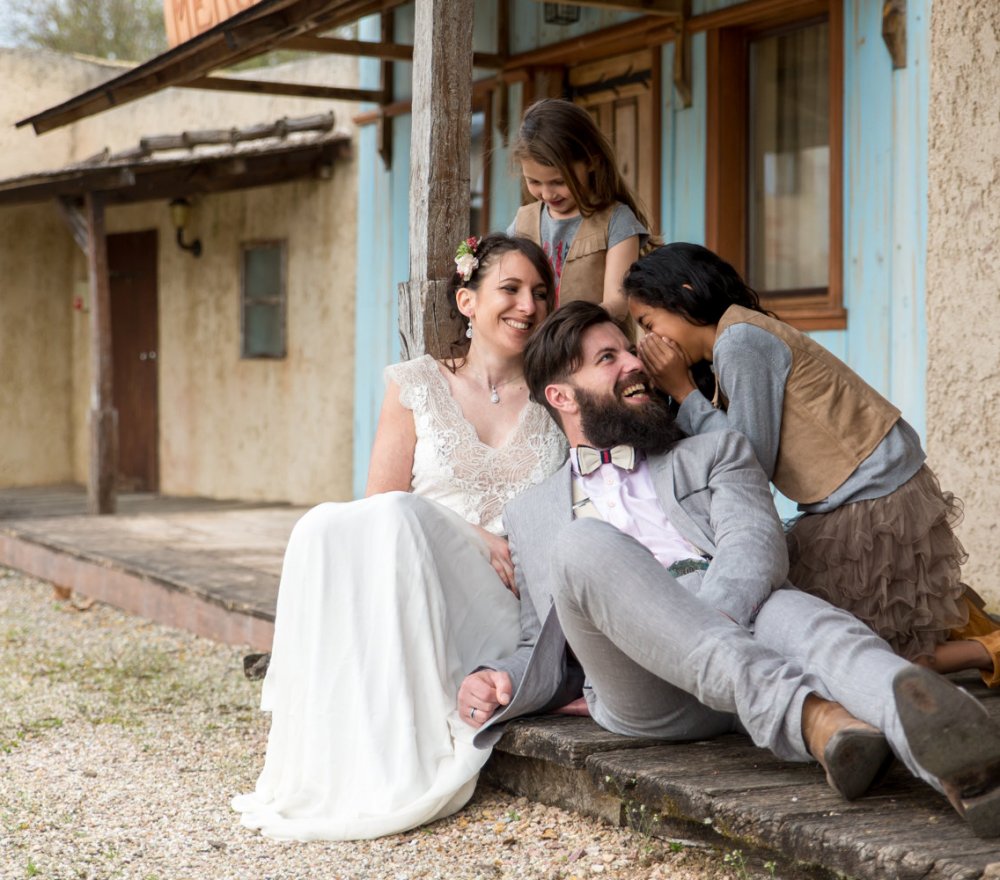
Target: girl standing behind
586	219
875	537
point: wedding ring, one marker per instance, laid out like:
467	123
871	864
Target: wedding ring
472	712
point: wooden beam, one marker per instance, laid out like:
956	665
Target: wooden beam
362	48
385	49
101	490
503	93
628	36
386	75
682	61
77	223
404	107
750	12
894	31
296	90
439	170
673	8
248	34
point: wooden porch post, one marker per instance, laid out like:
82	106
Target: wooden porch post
439	171
101	496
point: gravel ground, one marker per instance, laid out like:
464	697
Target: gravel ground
121	743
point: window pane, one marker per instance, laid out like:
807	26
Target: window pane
263	300
262	330
789	173
262	272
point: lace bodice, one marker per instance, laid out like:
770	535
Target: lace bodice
452	466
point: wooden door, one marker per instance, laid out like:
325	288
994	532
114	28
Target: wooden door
622	94
135	347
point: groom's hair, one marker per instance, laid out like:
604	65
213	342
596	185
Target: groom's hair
555	351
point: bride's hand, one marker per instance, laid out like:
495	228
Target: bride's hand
500	559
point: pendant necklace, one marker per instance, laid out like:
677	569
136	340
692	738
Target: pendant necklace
495	388
495	394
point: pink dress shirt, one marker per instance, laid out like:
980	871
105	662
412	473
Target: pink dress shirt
627	500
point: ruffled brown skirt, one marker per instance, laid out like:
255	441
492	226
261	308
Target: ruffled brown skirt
893	562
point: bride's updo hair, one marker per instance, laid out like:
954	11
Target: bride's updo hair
490	248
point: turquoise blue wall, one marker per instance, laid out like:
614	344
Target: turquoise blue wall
382	256
885	198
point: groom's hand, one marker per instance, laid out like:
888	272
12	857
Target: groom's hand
481	693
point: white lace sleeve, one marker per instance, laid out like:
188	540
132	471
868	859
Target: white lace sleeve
411	377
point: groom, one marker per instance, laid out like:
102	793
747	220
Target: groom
659	567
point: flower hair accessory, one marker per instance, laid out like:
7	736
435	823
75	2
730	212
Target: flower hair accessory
466	261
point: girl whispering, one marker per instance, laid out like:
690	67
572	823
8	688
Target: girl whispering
875	535
585	218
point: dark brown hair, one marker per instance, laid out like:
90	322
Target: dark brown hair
691	281
556	350
558	133
490	248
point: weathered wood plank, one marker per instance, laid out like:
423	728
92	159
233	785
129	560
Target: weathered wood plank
103	416
902	830
383	131
564	740
670	8
440	137
439	157
427	323
386	49
75	220
267	87
561	786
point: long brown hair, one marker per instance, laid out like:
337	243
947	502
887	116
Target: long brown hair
558	133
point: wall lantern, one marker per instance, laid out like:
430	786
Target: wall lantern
561	13
180	210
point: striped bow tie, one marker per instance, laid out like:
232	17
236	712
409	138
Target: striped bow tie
589	459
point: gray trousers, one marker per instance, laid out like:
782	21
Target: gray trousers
661	663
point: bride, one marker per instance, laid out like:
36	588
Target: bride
386	603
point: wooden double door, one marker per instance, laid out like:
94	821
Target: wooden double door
132	261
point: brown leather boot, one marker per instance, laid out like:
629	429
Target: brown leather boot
853	754
953	738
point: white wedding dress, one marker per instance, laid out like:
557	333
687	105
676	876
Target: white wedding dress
385	605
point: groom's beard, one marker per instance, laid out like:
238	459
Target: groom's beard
608	420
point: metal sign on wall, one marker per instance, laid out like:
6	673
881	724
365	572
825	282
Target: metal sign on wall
188	18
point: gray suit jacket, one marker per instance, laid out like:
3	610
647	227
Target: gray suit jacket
713	492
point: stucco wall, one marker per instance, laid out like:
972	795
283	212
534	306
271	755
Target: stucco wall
256	429
278	430
35	348
34	79
963	275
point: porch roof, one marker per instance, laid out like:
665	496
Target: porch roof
191	163
304	25
268	25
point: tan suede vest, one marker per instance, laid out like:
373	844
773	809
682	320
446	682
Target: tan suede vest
831	419
583	272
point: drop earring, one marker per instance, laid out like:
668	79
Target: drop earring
468	331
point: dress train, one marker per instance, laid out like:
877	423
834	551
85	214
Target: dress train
385	605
